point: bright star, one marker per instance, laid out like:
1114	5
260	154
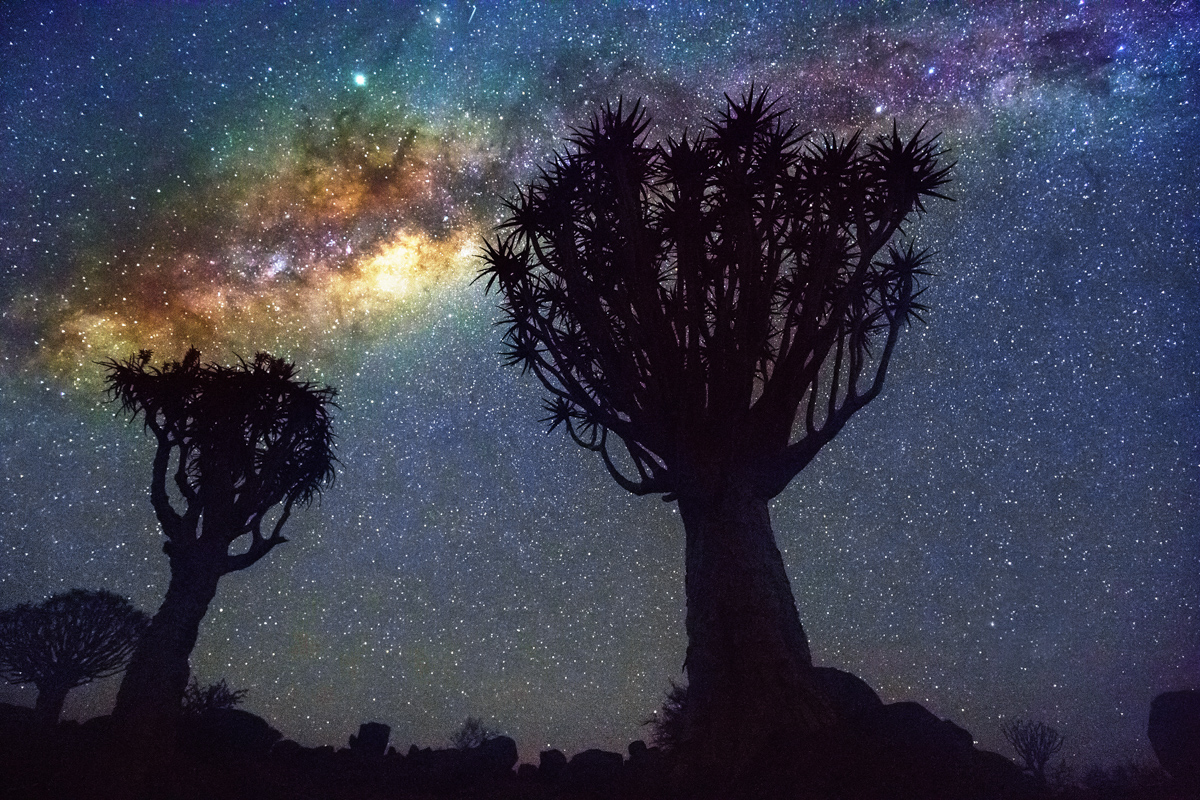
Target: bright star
360	79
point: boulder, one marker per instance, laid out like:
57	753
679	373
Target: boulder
453	770
1174	732
917	728
494	758
648	770
902	750
22	749
594	769
16	720
849	694
372	740
442	769
551	764
287	750
642	757
1004	777
228	733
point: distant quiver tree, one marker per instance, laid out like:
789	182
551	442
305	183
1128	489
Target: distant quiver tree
233	442
67	640
706	314
1035	743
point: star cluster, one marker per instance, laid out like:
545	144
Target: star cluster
1010	530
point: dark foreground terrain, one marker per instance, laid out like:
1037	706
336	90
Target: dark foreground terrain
889	752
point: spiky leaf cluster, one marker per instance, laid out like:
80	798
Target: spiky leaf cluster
730	295
69	639
243	439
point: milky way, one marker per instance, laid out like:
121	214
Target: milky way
1011	530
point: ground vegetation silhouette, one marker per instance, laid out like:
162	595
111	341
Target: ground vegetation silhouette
666	726
901	751
237	448
706	315
65	641
198	701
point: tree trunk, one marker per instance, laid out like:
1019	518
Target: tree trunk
751	690
49	705
158	672
148	702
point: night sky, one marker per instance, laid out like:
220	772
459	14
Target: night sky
1012	529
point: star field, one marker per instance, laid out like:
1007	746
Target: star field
1011	529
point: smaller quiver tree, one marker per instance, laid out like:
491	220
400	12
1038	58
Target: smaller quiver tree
233	443
1035	743
67	640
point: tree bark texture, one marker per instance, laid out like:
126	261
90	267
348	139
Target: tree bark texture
749	668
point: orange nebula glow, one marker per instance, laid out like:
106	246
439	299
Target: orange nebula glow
342	233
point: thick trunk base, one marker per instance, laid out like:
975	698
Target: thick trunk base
49	705
148	703
752	701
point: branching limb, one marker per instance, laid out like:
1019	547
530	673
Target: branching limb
168	517
260	545
648	484
181	476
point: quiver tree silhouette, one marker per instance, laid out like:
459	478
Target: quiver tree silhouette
65	641
233	442
1034	743
706	314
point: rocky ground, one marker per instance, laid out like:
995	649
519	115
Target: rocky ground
887	752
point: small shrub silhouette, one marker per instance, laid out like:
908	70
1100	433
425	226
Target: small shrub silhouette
216	696
666	726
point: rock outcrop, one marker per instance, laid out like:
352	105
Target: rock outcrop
1174	732
372	739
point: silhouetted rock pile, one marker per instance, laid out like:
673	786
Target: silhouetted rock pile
228	734
884	752
372	740
892	751
902	750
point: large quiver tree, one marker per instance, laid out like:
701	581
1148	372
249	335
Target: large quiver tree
717	307
65	641
237	448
